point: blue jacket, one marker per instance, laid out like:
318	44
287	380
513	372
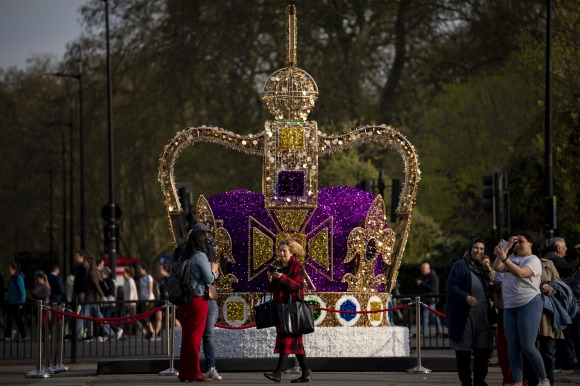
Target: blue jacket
16	291
200	273
562	306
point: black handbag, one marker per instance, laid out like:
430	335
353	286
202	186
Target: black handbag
492	317
266	313
296	316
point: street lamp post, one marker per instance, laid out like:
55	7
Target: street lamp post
550	208
64	238
112	218
79	77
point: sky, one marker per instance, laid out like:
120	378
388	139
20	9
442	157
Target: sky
30	27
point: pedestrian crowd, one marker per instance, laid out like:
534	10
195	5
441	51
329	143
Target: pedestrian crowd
524	304
90	290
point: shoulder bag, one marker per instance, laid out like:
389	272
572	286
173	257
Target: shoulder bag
296	316
266	313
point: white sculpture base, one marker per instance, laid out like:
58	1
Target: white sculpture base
348	342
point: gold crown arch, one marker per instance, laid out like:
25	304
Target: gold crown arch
290	142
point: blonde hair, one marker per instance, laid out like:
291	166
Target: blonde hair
41	275
294	247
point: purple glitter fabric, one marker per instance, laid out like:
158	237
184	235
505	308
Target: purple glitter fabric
346	205
291	183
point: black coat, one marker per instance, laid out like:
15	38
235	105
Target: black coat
429	286
57	291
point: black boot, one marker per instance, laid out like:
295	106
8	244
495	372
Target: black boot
305	371
276	377
304	378
464	366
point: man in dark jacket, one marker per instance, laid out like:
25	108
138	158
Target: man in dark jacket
78	295
429	285
557	255
56	285
564	347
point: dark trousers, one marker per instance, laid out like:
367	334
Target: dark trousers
575	333
15	312
480	366
565	351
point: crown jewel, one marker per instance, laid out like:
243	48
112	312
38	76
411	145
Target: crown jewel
290	92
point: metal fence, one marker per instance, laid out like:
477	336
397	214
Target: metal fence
82	338
86	339
430	338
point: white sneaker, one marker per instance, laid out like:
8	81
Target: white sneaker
103	338
119	333
544	383
213	374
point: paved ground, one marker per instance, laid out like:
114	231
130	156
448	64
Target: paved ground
85	374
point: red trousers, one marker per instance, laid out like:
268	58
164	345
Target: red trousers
502	349
192	317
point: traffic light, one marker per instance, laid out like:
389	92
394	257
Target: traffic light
496	200
184	193
488	194
110	232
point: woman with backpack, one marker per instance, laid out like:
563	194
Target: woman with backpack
193	314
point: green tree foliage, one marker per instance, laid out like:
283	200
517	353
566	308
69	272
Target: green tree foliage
425	234
344	168
469	130
462	79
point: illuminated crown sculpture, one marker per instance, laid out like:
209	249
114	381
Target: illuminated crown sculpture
352	257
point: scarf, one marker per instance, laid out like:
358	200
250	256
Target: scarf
478	268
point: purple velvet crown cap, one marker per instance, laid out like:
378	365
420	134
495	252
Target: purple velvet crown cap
346	205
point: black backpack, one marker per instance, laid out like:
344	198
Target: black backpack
178	288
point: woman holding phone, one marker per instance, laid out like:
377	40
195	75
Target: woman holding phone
285	282
522	301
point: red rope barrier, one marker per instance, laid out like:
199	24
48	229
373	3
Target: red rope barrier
435	311
235	327
340	311
112	321
360	312
318	308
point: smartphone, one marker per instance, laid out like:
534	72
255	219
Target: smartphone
503	243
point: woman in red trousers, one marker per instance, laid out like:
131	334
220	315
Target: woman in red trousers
193	315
